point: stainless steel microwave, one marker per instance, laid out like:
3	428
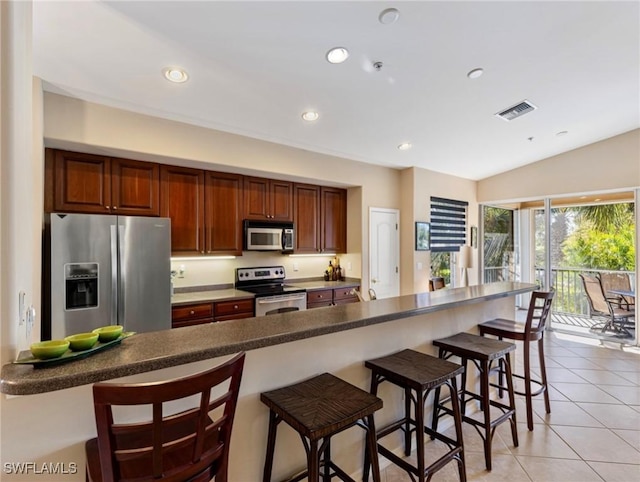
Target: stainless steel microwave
268	236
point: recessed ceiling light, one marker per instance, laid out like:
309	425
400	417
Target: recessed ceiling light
337	55
175	74
562	133
389	16
475	73
405	146
310	115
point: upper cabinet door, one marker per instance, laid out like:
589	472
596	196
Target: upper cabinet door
135	187
307	218
223	211
82	182
281	200
268	199
256	198
333	220
182	199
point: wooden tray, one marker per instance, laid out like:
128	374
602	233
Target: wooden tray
25	357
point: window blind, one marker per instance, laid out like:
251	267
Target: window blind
448	224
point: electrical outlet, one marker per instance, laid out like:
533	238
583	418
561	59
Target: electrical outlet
349	268
181	271
419	266
296	267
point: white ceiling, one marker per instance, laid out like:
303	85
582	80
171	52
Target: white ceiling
256	66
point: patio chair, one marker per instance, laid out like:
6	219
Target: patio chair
618	281
614	314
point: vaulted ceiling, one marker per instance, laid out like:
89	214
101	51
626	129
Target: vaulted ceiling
255	67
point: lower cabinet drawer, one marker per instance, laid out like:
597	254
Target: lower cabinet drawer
190	312
233	308
345	295
320	296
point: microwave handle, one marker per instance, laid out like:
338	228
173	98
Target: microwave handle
282	237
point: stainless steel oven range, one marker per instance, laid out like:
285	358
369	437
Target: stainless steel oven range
272	294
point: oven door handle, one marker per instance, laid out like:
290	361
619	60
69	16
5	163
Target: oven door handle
280	299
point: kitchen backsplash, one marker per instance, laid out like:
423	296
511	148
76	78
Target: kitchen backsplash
208	271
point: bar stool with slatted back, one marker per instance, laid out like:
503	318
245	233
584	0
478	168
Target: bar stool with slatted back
530	331
192	445
318	409
483	352
418	374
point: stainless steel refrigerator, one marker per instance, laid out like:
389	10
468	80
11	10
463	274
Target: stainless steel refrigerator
106	270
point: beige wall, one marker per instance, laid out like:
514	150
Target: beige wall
418	185
611	164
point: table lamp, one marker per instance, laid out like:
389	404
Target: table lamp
464	263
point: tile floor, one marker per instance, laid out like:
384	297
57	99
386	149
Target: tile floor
592	433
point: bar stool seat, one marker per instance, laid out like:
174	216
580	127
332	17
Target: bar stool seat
418	373
483	352
317	409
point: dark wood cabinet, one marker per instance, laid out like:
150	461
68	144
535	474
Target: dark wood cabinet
205	208
223	213
268	199
193	314
92	184
233	310
135	187
346	295
331	296
320	216
182	200
318	298
307	218
333	220
200	313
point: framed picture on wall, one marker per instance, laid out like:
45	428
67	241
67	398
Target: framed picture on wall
423	237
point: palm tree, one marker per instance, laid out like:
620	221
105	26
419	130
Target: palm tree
606	218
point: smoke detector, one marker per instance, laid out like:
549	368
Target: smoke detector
516	111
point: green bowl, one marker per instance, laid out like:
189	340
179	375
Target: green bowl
82	341
45	350
109	333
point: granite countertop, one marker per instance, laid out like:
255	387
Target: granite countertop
212	294
324	285
209	295
162	349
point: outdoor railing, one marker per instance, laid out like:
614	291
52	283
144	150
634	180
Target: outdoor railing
570	296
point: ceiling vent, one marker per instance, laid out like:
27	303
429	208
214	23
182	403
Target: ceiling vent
517	110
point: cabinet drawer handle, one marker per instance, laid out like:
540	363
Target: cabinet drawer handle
319	296
235	307
192	312
107	207
115	207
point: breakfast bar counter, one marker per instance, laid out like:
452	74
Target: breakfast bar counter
280	350
161	349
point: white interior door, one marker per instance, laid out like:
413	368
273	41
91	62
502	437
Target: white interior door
384	252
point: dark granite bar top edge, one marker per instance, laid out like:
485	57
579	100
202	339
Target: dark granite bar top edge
202	342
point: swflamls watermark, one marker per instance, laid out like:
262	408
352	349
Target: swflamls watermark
42	468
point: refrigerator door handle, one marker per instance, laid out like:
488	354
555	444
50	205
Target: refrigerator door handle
122	279
114	276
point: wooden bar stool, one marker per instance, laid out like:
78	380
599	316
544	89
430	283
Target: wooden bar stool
191	445
483	352
417	374
528	332
317	409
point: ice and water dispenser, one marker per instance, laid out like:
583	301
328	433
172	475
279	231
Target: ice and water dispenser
81	285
